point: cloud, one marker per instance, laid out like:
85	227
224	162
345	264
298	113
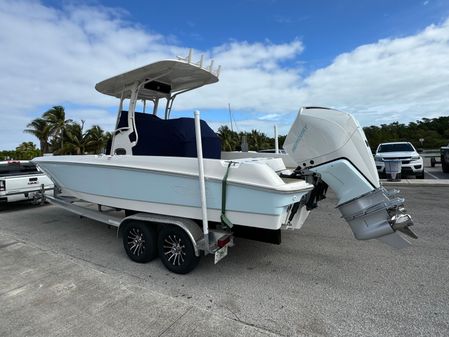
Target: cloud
95	116
253	79
269	117
394	79
55	56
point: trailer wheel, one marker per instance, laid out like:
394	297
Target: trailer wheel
176	250
140	241
444	166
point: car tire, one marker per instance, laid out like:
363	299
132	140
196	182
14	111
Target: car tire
420	176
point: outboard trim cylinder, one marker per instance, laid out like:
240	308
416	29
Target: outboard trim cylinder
333	145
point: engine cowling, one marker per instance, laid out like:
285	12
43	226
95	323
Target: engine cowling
332	144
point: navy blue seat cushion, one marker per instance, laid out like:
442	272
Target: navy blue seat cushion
171	137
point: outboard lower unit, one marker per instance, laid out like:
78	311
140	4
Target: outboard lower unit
332	144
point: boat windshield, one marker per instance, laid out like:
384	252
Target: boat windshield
403	147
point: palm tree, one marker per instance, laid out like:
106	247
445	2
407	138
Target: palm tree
55	117
257	140
75	139
96	139
229	138
41	129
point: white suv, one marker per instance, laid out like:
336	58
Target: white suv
411	161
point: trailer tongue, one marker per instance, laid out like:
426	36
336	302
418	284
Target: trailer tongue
332	144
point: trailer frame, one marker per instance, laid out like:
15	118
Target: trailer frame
216	242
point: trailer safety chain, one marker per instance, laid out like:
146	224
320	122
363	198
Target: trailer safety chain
224	219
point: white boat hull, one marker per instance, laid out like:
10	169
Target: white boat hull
256	196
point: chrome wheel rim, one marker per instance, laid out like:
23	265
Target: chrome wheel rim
136	242
174	250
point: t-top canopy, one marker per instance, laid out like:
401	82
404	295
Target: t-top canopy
162	79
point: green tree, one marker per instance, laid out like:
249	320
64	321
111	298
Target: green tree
281	140
58	123
63	136
7	154
40	128
27	151
229	138
75	140
434	131
258	140
96	139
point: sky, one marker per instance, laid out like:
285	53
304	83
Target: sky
381	60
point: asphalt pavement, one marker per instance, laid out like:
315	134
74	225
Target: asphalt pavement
65	276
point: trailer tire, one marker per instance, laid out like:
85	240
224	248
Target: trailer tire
176	250
140	241
444	166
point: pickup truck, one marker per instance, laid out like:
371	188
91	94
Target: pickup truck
444	150
411	161
21	180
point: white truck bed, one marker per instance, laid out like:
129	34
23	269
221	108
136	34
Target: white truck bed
20	180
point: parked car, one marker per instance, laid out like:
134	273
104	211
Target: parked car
444	150
21	180
411	161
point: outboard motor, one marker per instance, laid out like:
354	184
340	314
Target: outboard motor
332	144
